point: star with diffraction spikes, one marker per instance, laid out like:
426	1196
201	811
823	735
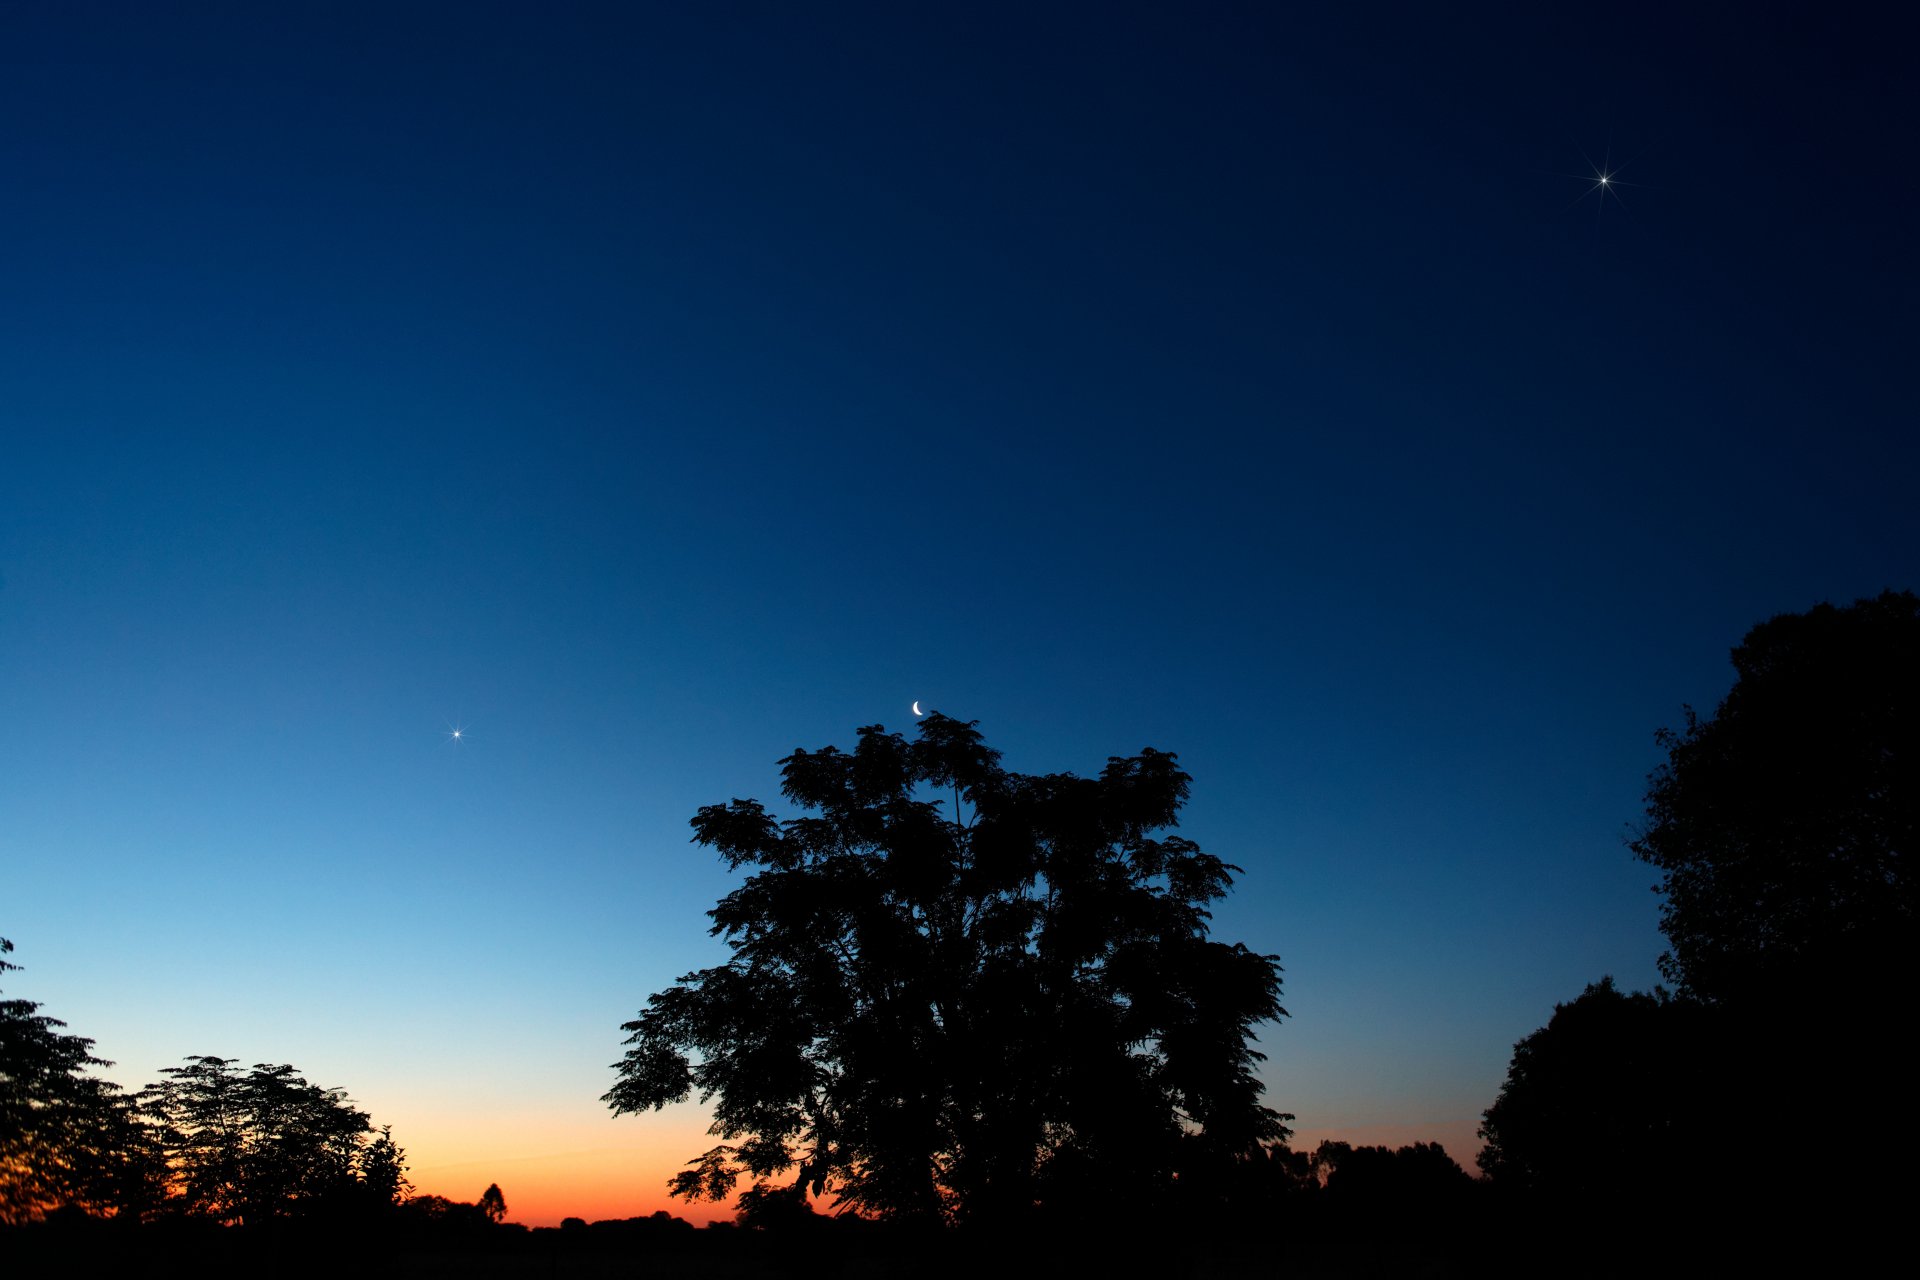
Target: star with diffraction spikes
1603	181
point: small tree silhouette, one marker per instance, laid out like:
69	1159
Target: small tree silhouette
492	1203
383	1168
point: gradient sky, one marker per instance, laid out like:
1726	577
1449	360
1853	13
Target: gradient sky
652	390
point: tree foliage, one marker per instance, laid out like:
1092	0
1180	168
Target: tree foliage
440	1215
67	1137
1614	1081
1785	828
209	1141
958	992
255	1145
383	1169
1786	824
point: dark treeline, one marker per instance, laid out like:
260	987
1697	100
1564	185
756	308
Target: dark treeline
209	1142
1757	1111
220	1170
995	1037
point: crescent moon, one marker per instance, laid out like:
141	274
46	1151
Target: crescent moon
916	708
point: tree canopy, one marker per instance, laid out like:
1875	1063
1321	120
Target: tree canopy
1785	825
251	1146
209	1141
1615	1080
957	993
67	1137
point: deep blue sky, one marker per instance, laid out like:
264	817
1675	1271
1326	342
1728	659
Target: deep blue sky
655	389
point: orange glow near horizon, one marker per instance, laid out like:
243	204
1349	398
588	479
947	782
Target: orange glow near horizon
564	1165
540	1190
597	1179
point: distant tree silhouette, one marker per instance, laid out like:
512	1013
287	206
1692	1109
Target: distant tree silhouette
441	1216
1250	1186
493	1204
1418	1188
68	1139
770	1208
1786	825
1421	1171
958	992
256	1145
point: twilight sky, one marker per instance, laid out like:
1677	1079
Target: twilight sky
651	390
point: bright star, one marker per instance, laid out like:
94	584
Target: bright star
1602	181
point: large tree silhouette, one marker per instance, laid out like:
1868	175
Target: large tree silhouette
1786	824
1786	827
957	992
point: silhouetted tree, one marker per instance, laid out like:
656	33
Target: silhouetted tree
770	1208
493	1204
1421	1177
1613	1082
68	1139
958	992
256	1145
1248	1187
1785	827
1786	824
1663	1117
383	1169
441	1216
1390	1211
1328	1157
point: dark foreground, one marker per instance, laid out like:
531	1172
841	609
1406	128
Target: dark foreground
1491	1243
